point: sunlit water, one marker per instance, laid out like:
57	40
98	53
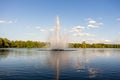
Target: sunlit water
38	64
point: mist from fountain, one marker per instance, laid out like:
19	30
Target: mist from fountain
58	39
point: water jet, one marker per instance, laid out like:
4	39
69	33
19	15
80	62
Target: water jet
58	40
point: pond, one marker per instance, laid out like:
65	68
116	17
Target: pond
41	64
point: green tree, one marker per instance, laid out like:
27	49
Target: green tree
83	45
1	42
6	43
29	44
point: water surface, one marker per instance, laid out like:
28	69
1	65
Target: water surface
39	64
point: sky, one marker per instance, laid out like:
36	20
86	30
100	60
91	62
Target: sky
93	21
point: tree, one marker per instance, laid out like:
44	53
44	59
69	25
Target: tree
83	45
6	43
29	44
1	42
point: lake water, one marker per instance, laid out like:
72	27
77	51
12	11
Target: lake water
41	64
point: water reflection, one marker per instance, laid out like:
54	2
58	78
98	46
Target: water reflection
58	65
58	59
81	64
3	54
55	57
62	60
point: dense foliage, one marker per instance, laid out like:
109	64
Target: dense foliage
5	43
97	45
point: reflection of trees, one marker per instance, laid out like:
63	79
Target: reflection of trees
103	52
3	53
29	56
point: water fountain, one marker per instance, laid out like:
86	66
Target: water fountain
58	40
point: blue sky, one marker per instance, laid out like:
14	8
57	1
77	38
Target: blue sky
84	20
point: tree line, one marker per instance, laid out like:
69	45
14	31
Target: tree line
94	45
5	43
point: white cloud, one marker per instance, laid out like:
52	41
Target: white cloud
90	41
80	27
98	40
118	19
10	22
88	19
45	29
37	27
104	41
2	21
117	41
118	32
6	22
42	30
77	28
83	34
94	24
51	29
107	40
74	30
